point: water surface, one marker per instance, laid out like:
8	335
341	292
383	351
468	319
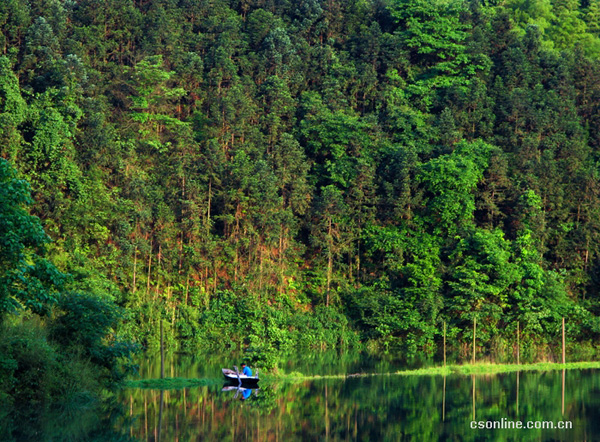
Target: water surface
366	408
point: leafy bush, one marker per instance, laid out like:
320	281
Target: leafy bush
27	362
35	374
85	325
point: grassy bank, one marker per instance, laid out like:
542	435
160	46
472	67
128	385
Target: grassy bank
467	369
488	368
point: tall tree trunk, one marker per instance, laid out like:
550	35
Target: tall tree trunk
329	261
187	288
280	264
158	270
149	268
209	199
181	252
133	288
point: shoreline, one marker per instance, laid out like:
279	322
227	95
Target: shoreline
464	370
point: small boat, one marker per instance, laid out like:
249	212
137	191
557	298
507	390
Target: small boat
238	378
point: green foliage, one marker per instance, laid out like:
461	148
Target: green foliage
27	362
12	110
152	98
378	312
451	179
564	24
268	329
432	28
482	278
85	324
27	281
268	176
45	390
434	34
37	375
36	372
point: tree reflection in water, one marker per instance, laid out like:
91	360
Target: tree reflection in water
371	408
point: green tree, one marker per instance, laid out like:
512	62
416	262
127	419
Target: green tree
540	299
14	18
434	35
481	279
569	26
291	171
152	100
532	12
328	231
12	111
451	180
27	280
42	52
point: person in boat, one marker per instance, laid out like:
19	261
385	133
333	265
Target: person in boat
246	370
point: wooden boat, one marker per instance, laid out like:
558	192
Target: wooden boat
237	378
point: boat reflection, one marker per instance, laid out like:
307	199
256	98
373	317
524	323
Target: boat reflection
243	393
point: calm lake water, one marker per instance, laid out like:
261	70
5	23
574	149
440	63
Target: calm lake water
374	408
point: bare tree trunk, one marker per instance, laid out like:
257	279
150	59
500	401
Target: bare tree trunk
206	287
260	268
281	233
209	198
358	261
133	288
329	262
187	288
149	268
158	276
181	252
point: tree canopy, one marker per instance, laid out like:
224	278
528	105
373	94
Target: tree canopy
395	164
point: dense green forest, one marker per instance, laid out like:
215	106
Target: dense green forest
278	173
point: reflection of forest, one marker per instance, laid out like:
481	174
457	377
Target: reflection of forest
375	408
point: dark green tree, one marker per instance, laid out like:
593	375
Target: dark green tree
27	280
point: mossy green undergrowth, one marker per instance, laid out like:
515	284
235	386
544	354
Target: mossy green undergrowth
467	369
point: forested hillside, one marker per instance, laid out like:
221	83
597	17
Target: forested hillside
276	173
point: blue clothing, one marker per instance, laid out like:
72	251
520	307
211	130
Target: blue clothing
246	393
247	371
